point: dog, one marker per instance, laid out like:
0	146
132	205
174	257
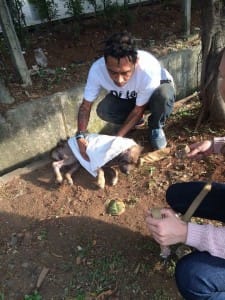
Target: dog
63	156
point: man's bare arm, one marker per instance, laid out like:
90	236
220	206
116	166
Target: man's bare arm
84	115
131	120
82	124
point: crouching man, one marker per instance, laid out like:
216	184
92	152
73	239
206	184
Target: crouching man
135	82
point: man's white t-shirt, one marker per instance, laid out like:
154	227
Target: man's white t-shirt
143	82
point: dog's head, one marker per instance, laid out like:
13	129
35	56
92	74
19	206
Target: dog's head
61	151
129	159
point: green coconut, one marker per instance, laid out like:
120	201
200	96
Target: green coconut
115	207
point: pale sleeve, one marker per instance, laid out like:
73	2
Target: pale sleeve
218	143
207	238
93	86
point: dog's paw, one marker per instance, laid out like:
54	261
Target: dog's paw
59	179
101	186
101	179
69	178
101	183
114	178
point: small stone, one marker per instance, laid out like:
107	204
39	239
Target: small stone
25	265
182	150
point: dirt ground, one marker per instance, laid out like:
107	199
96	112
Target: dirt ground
65	230
88	253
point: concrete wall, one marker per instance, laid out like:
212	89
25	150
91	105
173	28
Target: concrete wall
31	129
185	66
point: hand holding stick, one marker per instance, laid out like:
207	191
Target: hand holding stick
165	250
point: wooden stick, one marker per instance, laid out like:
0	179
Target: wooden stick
181	102
196	202
41	277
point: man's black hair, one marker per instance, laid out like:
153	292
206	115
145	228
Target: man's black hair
121	45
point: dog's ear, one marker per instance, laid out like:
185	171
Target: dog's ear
135	152
61	143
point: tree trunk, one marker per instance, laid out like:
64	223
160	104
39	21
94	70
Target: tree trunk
213	42
187	17
13	42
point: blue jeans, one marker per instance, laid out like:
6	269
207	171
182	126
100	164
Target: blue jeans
161	105
115	110
199	275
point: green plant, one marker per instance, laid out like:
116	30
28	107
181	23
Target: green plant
48	79
151	170
187	111
83	251
171	268
42	73
94	5
151	246
80	296
2	297
112	13
104	271
183	112
59	73
115	14
126	15
101	273
74	8
34	296
18	18
160	294
47	9
42	235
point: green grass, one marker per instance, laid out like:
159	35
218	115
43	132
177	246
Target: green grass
187	111
104	270
34	296
113	271
42	235
160	294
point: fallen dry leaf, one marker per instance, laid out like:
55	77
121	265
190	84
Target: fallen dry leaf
154	156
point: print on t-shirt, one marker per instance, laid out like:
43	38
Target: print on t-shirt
129	95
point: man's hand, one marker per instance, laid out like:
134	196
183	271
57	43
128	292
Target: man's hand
169	230
82	144
131	120
200	149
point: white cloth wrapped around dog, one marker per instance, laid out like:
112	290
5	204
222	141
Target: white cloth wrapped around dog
101	149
